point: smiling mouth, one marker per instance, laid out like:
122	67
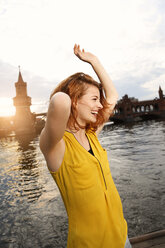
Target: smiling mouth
95	113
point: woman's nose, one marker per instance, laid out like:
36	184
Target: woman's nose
100	105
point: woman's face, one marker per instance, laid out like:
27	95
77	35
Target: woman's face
88	106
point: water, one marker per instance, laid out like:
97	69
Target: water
32	213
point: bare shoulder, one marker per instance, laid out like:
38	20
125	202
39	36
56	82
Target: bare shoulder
53	156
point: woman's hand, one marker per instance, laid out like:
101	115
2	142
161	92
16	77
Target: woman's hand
84	56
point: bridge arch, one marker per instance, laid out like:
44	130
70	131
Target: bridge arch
116	111
147	108
133	109
151	107
138	109
142	108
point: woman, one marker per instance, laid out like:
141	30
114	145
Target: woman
78	109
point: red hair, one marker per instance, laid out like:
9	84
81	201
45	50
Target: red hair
75	86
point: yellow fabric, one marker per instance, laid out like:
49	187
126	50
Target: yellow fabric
91	199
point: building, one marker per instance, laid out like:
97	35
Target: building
23	120
131	109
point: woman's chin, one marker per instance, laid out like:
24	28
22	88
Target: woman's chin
90	121
93	121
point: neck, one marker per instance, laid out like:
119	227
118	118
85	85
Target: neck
75	129
81	137
78	133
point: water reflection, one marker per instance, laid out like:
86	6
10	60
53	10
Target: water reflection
21	175
25	142
27	152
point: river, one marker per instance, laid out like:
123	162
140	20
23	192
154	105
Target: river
32	213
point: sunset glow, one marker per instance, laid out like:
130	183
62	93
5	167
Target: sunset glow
6	107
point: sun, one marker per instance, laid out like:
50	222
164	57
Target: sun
6	107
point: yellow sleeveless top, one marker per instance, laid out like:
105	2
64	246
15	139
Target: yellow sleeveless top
90	197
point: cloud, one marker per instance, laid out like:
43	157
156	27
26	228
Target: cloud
128	37
8	75
144	85
154	84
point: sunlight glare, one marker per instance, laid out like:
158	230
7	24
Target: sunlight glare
6	107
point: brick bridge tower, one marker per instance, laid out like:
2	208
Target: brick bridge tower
161	96
24	119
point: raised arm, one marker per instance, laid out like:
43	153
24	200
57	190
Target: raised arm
57	118
109	88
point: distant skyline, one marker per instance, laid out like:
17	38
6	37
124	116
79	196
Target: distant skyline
127	36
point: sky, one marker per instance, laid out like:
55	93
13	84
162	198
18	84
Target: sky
128	37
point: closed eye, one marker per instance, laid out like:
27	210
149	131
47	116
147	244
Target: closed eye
96	98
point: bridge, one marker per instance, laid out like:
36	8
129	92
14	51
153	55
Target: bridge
131	109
